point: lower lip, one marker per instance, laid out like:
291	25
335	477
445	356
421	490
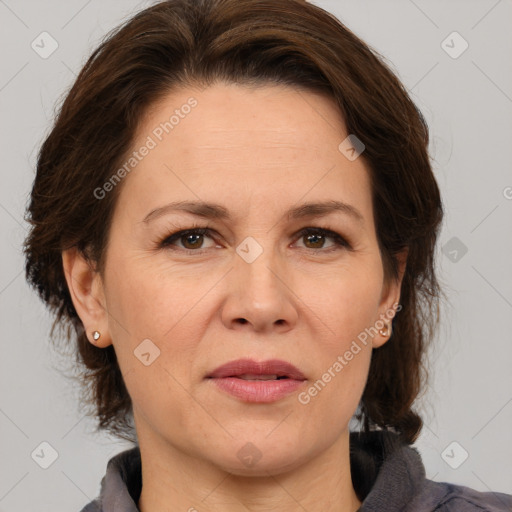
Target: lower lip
258	390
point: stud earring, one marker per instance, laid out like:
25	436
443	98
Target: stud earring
96	335
387	332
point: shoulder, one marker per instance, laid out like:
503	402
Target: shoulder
390	476
446	497
93	506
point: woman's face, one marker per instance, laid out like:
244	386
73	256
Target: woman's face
253	286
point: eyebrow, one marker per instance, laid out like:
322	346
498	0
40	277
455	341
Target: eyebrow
217	211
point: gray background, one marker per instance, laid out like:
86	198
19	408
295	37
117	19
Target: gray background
467	102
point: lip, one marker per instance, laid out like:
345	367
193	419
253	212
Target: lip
249	366
263	391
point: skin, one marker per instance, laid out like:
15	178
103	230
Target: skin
258	152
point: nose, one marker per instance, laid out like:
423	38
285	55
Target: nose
260	295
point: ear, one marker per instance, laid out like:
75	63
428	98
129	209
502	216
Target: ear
390	299
86	289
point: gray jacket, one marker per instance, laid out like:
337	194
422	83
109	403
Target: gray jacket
388	476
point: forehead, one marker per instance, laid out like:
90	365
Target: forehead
265	147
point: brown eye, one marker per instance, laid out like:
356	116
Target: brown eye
314	238
191	239
195	240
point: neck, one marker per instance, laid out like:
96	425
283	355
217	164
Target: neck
174	480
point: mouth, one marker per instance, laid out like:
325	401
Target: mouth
248	369
258	382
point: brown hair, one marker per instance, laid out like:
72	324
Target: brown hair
194	43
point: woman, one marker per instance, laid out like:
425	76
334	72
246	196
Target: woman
234	203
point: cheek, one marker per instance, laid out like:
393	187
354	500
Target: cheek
152	315
348	302
144	301
165	307
349	308
343	355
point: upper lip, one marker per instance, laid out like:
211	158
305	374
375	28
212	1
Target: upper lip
249	366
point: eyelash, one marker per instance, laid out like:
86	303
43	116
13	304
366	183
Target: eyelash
339	241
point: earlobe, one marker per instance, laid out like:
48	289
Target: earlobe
383	334
86	290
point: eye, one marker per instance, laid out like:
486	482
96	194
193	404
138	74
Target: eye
192	239
316	236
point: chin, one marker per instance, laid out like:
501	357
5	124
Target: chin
251	461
